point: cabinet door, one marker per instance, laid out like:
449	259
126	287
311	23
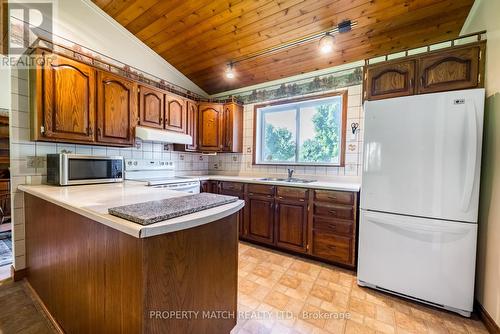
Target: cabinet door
210	127
176	114
192	124
237	190
232	128
390	80
151	107
450	70
291	225
260	219
68	100
117	109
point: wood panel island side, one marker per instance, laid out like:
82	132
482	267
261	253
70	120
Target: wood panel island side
96	273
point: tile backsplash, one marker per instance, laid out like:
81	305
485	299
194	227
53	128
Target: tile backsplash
241	163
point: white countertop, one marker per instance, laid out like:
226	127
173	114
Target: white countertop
342	184
93	201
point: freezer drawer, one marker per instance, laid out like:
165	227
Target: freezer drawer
427	259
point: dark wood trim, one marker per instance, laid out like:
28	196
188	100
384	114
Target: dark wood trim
41	306
343	93
17	275
486	318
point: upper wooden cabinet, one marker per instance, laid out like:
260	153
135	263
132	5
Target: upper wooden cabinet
116	110
151	107
232	128
454	69
210	127
191	128
444	70
390	80
64	100
175	114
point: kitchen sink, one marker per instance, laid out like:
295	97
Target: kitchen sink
291	180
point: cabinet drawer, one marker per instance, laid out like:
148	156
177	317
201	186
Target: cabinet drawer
334	211
261	189
332	247
333	226
341	197
232	186
292	193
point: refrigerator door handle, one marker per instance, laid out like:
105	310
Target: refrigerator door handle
423	229
470	172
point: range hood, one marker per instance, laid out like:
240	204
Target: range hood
164	136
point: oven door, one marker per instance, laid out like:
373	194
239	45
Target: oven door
80	169
188	187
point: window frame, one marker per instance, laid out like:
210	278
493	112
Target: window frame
343	135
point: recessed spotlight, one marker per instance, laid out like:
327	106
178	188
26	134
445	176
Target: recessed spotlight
326	43
229	71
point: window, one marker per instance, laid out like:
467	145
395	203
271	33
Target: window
301	132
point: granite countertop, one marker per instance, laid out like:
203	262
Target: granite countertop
94	201
151	212
325	183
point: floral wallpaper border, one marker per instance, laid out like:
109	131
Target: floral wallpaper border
326	82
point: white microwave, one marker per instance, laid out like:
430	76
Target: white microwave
70	169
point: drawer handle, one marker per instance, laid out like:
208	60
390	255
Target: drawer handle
280	197
332	197
301	199
333	227
251	194
333	212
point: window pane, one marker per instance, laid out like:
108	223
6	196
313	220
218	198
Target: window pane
320	133
306	132
279	136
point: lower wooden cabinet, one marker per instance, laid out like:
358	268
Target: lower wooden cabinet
332	247
318	223
236	190
291	225
260	218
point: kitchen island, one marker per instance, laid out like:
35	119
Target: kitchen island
97	273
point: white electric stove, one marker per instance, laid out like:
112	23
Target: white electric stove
159	173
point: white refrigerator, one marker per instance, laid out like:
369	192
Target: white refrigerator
420	195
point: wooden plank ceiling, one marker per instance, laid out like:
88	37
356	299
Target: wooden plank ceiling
199	37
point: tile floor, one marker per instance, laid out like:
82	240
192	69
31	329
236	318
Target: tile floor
19	314
273	284
275	291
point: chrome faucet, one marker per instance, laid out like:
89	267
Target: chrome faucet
290	173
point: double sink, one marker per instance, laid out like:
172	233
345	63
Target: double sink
290	180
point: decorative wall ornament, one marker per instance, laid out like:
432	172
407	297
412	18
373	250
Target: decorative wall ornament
326	82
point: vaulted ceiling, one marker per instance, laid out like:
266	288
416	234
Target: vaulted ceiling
199	37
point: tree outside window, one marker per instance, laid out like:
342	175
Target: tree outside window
305	132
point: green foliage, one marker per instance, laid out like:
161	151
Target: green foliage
279	145
324	147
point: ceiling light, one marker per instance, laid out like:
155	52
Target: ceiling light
326	43
229	71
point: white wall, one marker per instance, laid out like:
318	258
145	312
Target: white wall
485	16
